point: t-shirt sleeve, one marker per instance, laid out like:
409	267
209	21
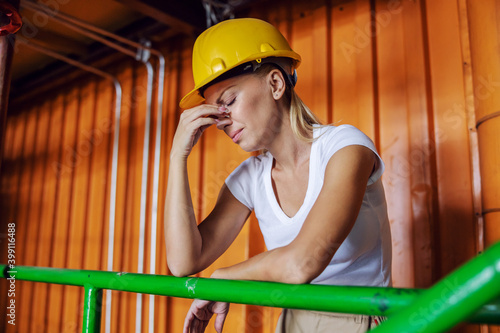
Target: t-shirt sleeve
241	182
347	135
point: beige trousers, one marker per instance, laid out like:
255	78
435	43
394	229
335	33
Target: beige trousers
302	321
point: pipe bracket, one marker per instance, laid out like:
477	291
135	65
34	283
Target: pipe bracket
14	19
490	210
487	117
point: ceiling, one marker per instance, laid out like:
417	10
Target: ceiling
153	19
38	27
160	19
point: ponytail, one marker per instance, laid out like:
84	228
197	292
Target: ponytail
302	119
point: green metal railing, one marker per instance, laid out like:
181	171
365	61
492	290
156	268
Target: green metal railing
471	293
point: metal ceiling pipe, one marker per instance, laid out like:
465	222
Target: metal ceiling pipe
116	136
156	180
156	171
142	54
96	71
157	155
484	39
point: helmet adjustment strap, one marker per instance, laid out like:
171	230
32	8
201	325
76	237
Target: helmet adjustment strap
281	64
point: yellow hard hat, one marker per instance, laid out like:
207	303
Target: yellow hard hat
229	44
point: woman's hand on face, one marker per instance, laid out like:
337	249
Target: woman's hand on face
199	315
193	123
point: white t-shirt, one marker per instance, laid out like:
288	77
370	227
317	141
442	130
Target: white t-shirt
364	258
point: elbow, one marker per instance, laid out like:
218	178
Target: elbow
180	270
298	276
181	264
304	265
301	270
177	271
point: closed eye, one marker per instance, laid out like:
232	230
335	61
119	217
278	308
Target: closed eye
232	101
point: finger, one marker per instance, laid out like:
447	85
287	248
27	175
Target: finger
193	328
201	122
222	123
201	111
219	321
198	327
205	324
222	310
187	322
198	128
190	321
193	325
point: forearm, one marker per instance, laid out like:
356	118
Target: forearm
278	265
182	237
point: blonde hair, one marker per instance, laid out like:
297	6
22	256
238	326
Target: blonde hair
302	119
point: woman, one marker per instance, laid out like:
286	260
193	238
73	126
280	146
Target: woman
316	190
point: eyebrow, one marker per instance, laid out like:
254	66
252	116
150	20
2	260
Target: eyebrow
219	100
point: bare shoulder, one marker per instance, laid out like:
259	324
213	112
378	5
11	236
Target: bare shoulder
353	156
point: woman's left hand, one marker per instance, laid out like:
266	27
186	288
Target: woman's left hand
199	315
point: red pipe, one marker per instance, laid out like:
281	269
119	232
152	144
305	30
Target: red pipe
9	9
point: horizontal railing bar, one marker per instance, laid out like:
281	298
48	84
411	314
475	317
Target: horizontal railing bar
346	299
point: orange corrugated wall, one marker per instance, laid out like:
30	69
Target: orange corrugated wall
398	70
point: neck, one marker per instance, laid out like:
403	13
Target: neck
288	150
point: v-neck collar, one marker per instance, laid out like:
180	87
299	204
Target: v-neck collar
271	196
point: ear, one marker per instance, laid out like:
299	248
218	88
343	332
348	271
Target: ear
277	83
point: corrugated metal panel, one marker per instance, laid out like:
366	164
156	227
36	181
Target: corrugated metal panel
392	68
